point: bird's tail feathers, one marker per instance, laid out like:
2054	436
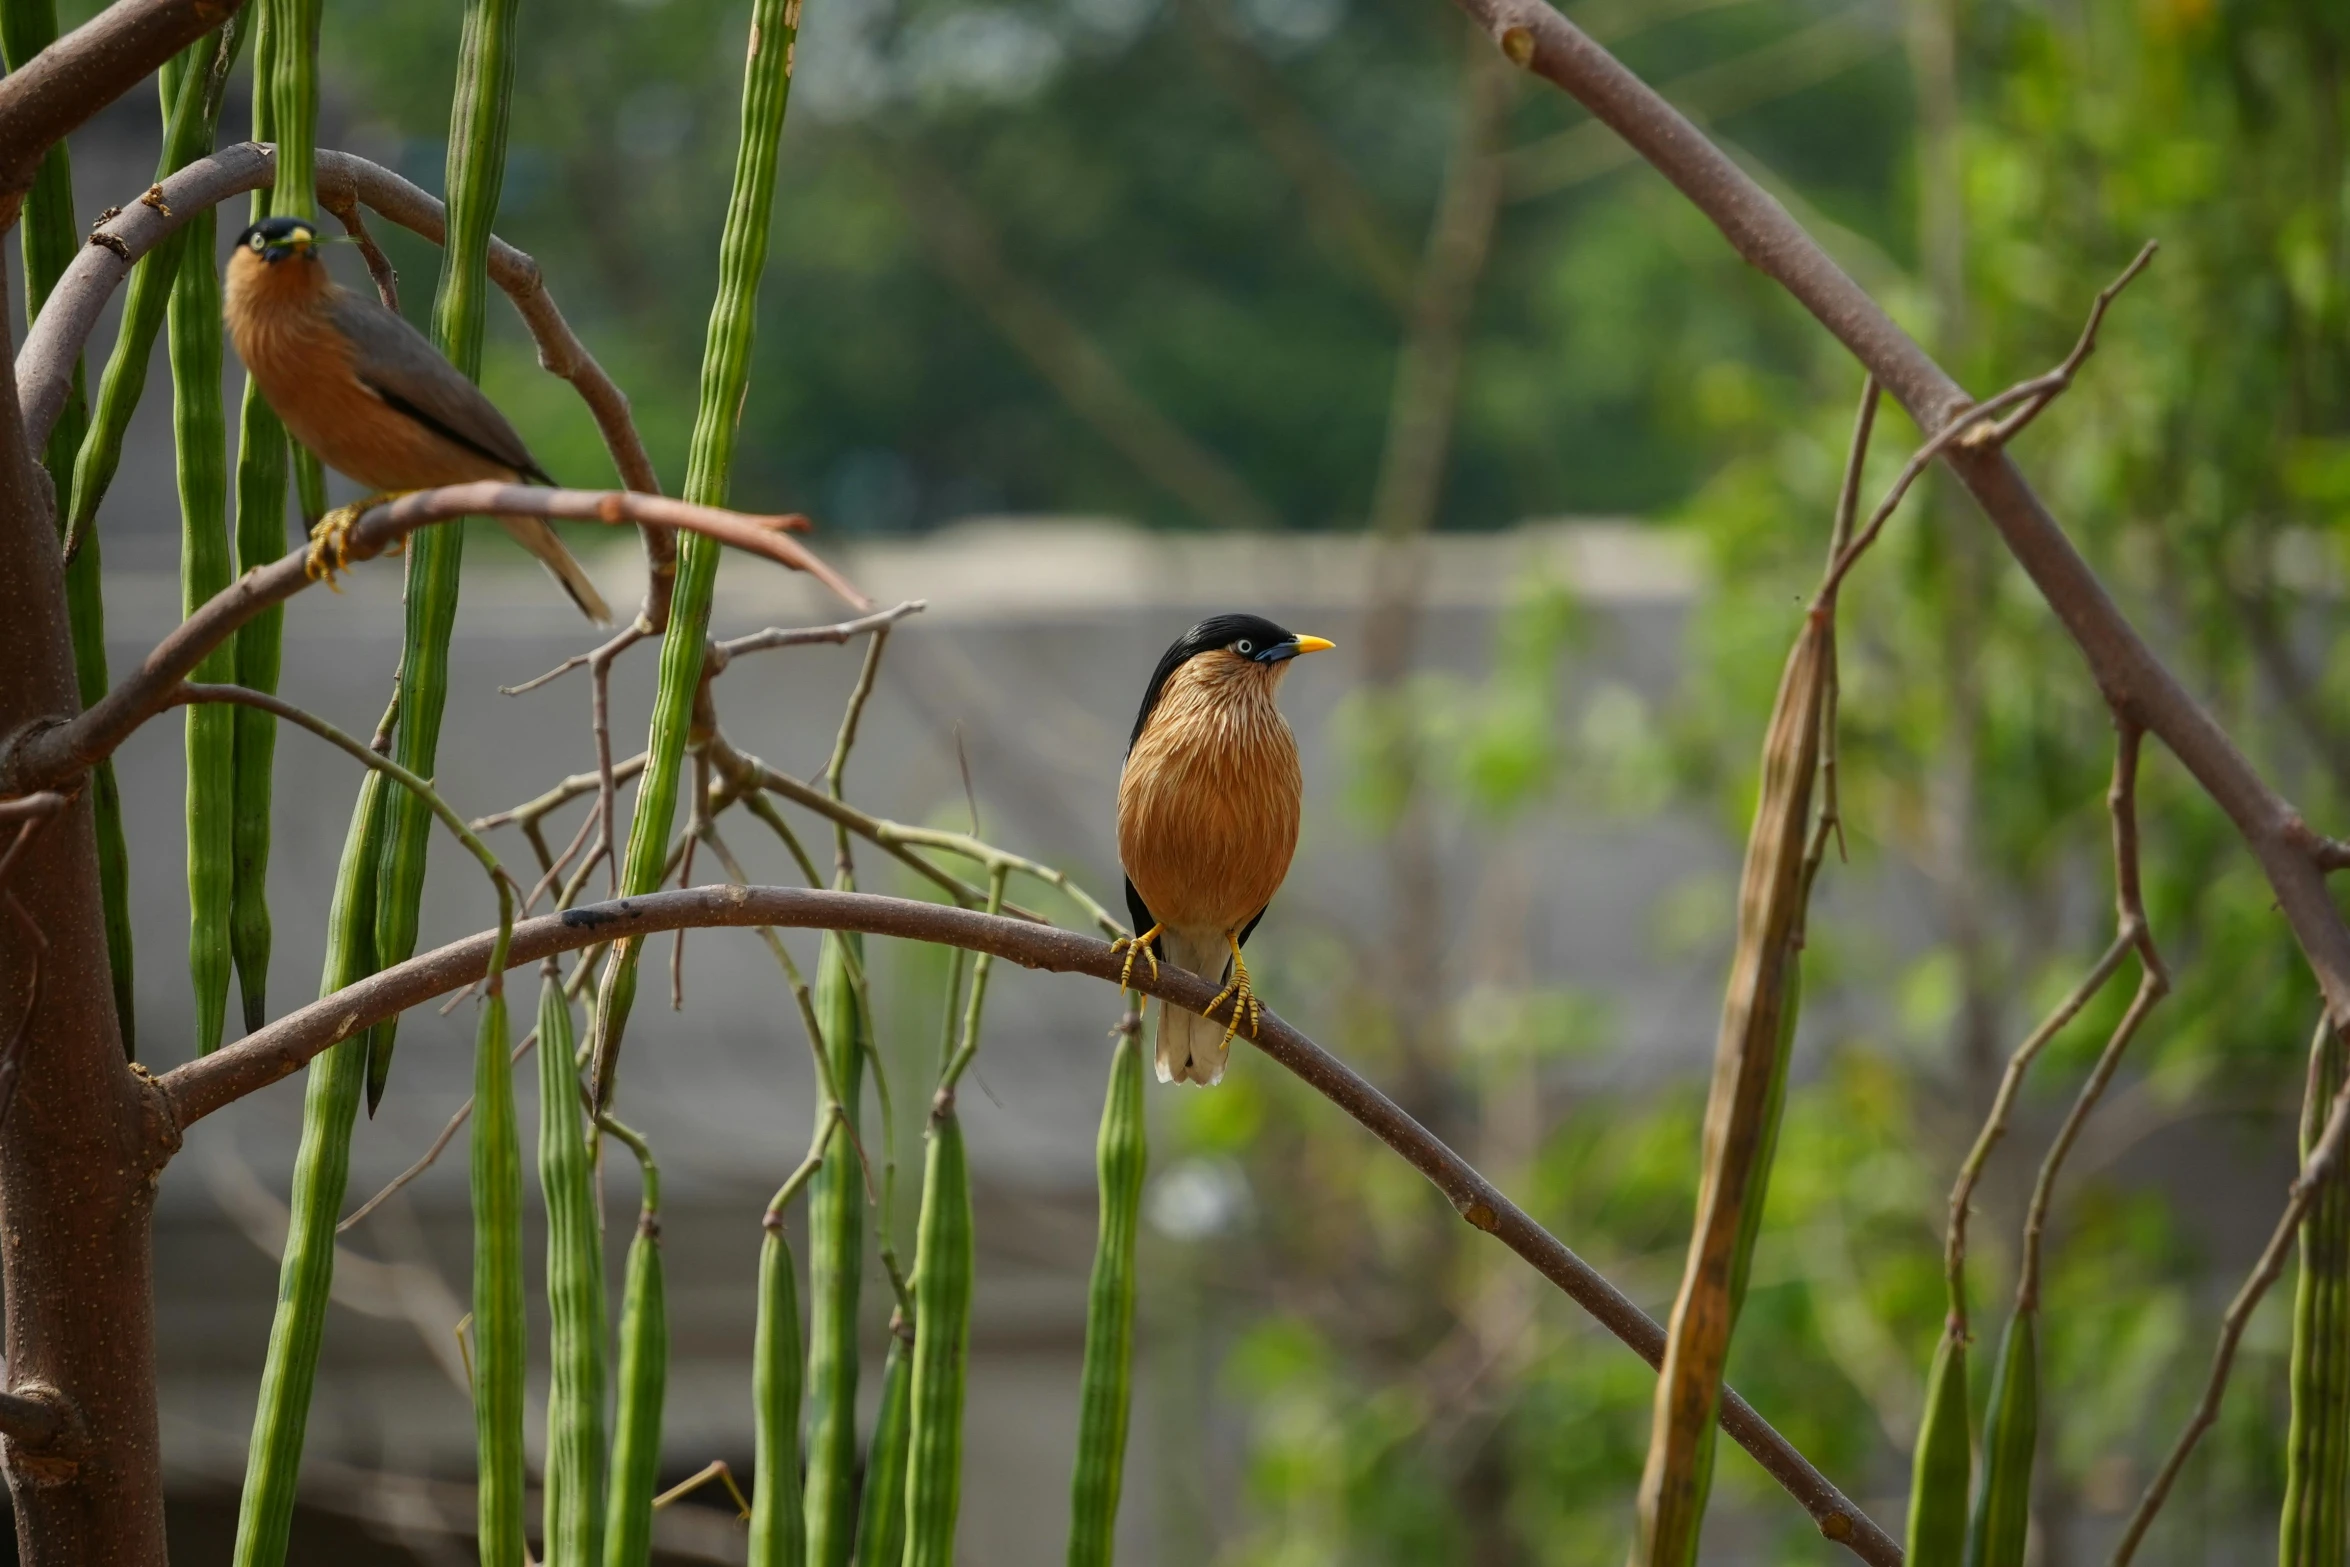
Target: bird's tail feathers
538	536
1191	1047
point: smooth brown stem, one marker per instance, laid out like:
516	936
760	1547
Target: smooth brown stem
81	73
200	1087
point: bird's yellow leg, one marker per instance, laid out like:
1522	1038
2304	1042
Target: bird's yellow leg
330	540
1243	994
1133	945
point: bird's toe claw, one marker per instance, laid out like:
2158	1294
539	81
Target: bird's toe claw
1133	945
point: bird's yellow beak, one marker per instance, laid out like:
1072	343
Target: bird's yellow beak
1314	644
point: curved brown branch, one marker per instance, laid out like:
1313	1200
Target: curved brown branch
57	754
2136	683
83	72
44	366
268	1055
44	369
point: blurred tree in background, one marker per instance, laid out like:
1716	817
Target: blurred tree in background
1154	258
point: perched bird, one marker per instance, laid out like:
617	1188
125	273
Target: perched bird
1207	820
371	396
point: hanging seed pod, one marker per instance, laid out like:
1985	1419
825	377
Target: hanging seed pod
574	1520
644	1379
1941	1467
1106	1391
260	642
1741	1114
2315	1528
2003	1509
498	1328
476	176
200	435
836	1255
726	372
778	1532
942	1345
322	1165
881	1515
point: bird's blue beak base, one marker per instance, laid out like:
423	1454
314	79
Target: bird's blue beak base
1281	652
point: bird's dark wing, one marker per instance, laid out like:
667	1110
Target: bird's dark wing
400	365
1139	912
1251	926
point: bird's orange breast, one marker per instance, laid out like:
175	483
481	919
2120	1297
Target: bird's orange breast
1208	804
304	367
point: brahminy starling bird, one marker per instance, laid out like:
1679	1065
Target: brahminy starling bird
372	397
1207	821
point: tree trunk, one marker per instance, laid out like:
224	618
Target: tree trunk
86	1135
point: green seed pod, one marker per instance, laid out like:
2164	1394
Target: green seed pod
778	1533
574	1520
644	1382
260	643
726	371
499	1343
322	1166
1943	1464
1107	1387
2315	1528
476	175
200	432
836	1255
942	1344
2003	1509
52	238
881	1515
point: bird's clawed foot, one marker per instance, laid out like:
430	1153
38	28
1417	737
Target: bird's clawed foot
1243	994
1136	944
330	541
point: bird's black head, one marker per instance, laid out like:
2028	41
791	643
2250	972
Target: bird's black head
1252	637
274	239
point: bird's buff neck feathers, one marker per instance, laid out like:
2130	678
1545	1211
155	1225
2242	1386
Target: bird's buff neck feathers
260	291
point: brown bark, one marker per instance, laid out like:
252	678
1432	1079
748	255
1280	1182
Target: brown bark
79	1157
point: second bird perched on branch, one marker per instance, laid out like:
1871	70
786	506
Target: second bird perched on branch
1208	810
372	397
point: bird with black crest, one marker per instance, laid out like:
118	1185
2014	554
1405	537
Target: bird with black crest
371	397
1208	808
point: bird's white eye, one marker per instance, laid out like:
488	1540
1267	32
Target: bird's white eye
1244	647
259	242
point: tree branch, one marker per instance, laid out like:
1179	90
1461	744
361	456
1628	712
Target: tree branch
2134	681
200	1087
83	72
60	752
44	369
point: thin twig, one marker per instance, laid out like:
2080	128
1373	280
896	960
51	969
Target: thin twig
2153	984
1973	428
720	654
561	795
380	270
843	867
714	1470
